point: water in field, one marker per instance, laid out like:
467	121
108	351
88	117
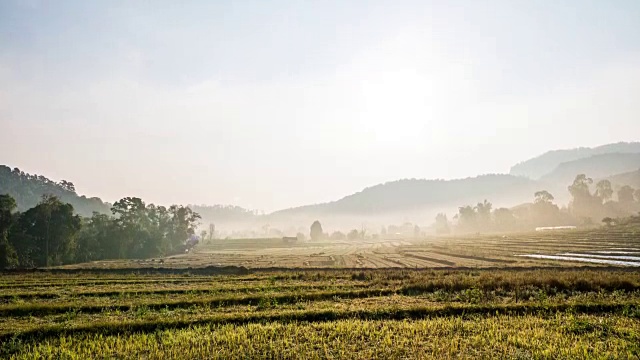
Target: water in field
619	252
615	257
607	260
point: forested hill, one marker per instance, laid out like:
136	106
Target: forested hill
224	213
546	163
409	194
27	190
597	167
630	178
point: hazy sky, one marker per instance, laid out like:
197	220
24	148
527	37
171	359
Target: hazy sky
271	104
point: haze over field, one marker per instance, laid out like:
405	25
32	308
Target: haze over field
319	179
270	105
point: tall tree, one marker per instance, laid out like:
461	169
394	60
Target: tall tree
504	219
584	204
467	219
353	235
51	228
442	224
544	212
67	186
543	196
580	186
316	232
604	190
484	214
183	224
98	239
131	227
8	255
7	206
625	194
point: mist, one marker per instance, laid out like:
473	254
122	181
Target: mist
283	105
319	179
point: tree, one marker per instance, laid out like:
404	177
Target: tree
67	186
543	196
97	239
316	232
337	235
467	218
183	224
353	234
484	214
50	231
580	187
442	224
543	211
625	194
130	227
7	206
8	255
584	204
504	219
363	231
608	221
604	190
636	195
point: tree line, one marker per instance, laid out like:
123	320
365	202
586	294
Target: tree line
51	233
587	207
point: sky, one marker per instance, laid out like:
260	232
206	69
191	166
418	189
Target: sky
273	104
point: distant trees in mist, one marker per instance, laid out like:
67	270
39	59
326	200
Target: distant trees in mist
442	224
586	207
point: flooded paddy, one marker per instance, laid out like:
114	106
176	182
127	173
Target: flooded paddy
583	259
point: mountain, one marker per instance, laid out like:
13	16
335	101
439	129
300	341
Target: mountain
596	167
398	200
27	190
630	178
544	164
416	194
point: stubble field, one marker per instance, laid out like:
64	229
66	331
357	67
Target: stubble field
471	297
533	249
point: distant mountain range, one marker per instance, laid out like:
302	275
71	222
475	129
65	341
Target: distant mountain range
546	163
416	194
596	167
631	178
552	171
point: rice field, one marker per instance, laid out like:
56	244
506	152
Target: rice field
543	295
533	249
331	313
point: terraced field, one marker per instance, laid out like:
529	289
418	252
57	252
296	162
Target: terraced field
568	294
553	248
332	313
